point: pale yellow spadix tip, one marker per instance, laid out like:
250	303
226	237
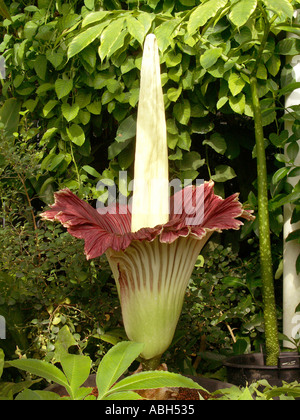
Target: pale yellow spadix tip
150	202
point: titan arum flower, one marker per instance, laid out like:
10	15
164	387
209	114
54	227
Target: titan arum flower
151	248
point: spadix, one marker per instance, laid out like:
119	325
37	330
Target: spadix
150	201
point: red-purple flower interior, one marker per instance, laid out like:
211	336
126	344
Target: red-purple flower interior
113	229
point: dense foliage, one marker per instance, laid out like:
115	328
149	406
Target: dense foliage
69	103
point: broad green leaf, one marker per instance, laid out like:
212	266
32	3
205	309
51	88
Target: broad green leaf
217	142
154	379
210	57
203	13
146	20
164	33
30	104
70	111
126	158
191	161
241	11
171	126
26	89
182	111
41	90
134	97
91	171
46	192
127	129
81	393
85	38
4	10
76	134
9	389
261	72
83	98
246	395
112	38
292	150
29	395
64	340
40	66
222	101
288	46
94	17
174	93
223	173
128	65
125	395
279	141
236	83
177	155
55	57
84	117
31	9
42	369
273	64
94	108
281	7
49	107
173	59
9	116
76	368
238	103
56	161
280	174
175	74
115	363
184	141
288	89
89	4
136	29
89	57
63	87
292	29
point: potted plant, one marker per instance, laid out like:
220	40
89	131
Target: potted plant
153	246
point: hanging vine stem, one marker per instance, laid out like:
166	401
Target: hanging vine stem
75	165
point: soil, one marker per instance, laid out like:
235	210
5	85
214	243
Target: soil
177	394
168	394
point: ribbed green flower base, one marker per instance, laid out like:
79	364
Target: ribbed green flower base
152	278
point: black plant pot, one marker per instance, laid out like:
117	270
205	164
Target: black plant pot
248	368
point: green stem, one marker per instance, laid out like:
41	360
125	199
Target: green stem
151	364
270	318
207	162
75	165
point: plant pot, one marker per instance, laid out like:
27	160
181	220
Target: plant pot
248	368
211	385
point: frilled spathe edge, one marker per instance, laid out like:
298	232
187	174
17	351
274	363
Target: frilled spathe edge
193	211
